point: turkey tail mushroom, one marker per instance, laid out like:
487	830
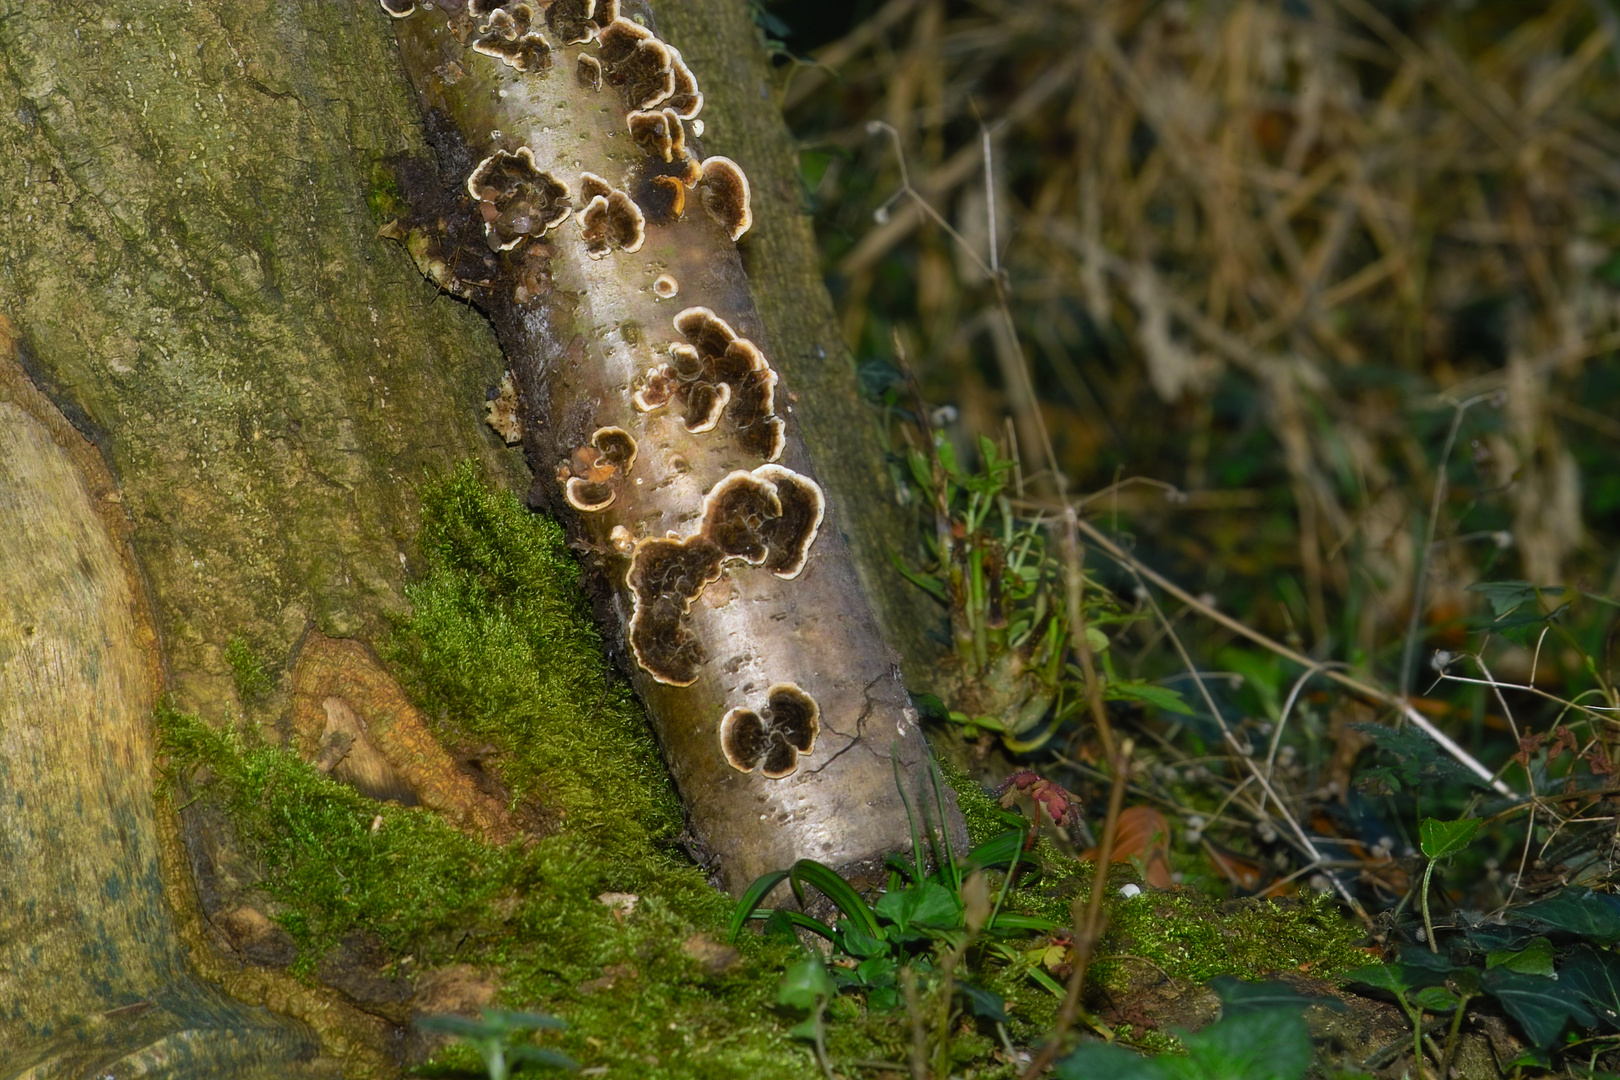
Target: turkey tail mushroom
664	438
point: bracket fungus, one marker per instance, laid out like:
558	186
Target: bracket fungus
774	742
508	36
571	20
692	499
399	9
634	60
712	364
517	198
588	71
768	517
613	221
686	100
659	134
726	197
593	474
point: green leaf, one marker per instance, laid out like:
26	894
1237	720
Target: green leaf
1023	924
1434	999
985	1004
1536	958
539	1055
1591	915
929	905
1270	1044
825	880
857	942
459	1026
999	850
1596	977
749	902
1238	996
1506	596
1105	1061
805	984
1388	977
878	971
1443	838
1160	697
1541	1006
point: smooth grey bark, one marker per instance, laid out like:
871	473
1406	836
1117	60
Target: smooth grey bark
586	332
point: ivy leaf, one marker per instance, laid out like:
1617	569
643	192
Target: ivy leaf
804	984
1239	996
1434	999
929	906
1591	915
1536	958
1270	1044
1505	597
1387	977
1596	977
985	1004
1443	838
1541	1006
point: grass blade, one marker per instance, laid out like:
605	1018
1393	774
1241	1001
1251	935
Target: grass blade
825	880
750	899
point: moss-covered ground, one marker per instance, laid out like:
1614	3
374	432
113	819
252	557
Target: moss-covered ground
501	652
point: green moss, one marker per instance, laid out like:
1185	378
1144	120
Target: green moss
252	680
501	651
1191	937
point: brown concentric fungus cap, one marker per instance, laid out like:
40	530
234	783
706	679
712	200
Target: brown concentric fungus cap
588	71
517	198
659	134
772	744
591	185
647	77
686	99
716	355
399	9
617	41
606	12
571	20
616	447
724	191
663	198
665	287
705	404
708	332
788	537
612	222
589	496
508	37
655	390
735	512
665	576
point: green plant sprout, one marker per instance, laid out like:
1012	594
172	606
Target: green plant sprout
1440	840
806	985
494	1037
1010	600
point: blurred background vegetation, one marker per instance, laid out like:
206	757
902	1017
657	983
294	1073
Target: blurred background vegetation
1304	303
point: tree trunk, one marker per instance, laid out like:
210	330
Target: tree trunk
220	392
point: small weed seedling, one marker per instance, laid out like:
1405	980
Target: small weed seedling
495	1038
